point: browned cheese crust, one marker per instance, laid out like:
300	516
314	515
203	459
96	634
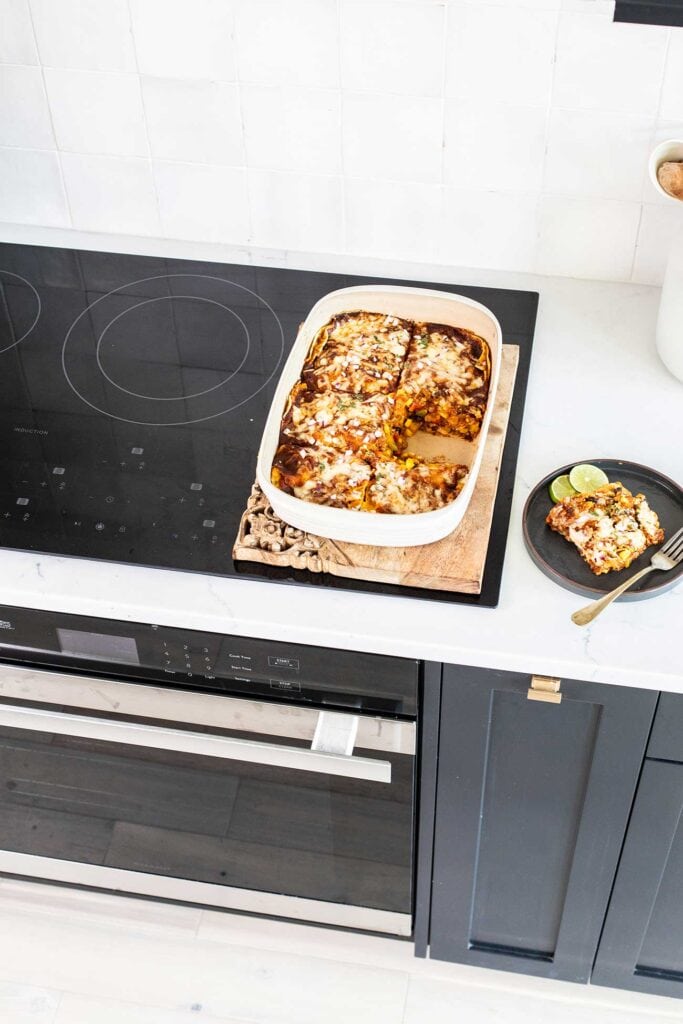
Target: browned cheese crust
609	526
368	383
360	352
321	475
333	419
444	385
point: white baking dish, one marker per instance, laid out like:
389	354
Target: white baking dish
375	527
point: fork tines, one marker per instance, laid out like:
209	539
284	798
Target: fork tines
673	548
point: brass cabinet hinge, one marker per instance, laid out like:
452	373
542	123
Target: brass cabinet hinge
545	688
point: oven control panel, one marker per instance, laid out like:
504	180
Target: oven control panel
210	661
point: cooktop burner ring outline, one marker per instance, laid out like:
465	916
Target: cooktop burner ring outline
177	423
10	273
172	398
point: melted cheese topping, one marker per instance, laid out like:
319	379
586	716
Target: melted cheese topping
369	381
610	526
361	353
347	422
445	381
321	475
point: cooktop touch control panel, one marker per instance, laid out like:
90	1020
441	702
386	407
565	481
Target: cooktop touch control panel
209	661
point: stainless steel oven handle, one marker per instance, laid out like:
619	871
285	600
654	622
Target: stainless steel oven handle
251	751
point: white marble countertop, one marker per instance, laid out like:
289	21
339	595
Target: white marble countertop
594	363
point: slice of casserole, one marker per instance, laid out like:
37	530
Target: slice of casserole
445	382
610	526
410	485
333	419
321	475
361	353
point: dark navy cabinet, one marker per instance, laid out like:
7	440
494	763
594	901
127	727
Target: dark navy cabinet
642	942
532	801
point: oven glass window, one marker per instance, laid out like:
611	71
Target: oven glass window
209	819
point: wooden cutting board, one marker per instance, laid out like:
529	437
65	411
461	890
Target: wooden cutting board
455	563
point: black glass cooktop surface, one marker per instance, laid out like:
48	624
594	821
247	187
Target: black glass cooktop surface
133	395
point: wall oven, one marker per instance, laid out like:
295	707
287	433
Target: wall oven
212	769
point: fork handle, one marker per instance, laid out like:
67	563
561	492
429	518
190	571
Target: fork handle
592	610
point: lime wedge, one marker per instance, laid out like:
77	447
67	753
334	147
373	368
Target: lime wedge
586	478
561	488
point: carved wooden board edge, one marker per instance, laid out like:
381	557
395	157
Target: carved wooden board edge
265	538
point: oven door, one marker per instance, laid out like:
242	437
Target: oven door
206	799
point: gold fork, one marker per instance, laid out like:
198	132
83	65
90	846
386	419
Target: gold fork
668	557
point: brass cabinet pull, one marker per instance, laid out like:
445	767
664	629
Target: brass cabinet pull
545	688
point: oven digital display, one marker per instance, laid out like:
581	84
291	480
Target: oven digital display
98	646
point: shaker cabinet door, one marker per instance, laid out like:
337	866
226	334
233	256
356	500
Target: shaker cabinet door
642	942
532	805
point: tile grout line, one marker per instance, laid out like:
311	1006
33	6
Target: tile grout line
149	159
546	134
342	162
249	241
57	151
657	120
444	69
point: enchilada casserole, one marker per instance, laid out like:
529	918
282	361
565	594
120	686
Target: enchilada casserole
609	526
444	383
368	383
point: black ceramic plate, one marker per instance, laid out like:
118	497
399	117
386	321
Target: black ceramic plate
561	561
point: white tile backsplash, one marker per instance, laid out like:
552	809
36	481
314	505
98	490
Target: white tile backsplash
393	219
587	237
392	47
509	134
601	65
177	39
203	202
658	225
500	54
17	42
489	229
491	146
292	43
32	190
291	128
193	121
593	153
394	138
91	34
672	89
97	112
24	113
111	193
296	211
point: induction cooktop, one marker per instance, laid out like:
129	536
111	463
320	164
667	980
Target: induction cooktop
133	395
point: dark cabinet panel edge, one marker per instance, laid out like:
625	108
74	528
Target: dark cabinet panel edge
641	870
625	722
656	12
428	760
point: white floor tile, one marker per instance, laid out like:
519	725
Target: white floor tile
177	974
83	1010
92	908
70	957
440	1002
24	1004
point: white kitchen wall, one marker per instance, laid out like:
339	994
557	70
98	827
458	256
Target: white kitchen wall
510	134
